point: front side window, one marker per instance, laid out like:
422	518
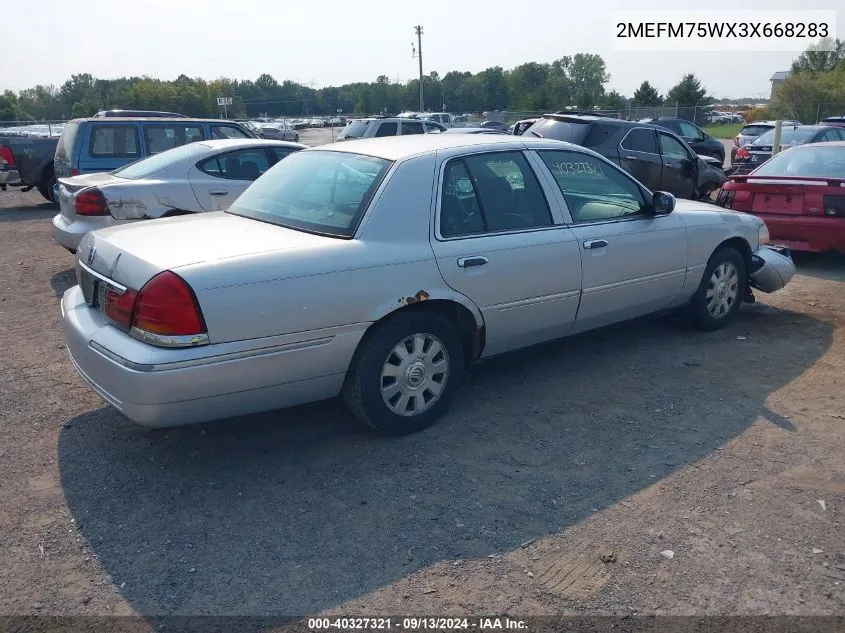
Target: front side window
247	164
321	192
114	141
672	147
160	138
594	190
689	130
490	193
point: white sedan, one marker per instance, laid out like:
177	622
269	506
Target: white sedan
193	178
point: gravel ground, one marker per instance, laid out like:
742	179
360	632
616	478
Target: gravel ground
620	444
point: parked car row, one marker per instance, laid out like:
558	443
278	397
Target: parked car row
491	243
759	150
40	130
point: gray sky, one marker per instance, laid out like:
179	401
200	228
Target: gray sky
332	42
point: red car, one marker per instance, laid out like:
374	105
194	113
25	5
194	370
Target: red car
799	194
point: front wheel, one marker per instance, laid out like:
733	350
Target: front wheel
405	373
720	294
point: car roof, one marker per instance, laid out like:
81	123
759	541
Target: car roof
401	147
822	144
234	143
154	120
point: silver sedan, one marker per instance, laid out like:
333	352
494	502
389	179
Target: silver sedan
202	176
380	269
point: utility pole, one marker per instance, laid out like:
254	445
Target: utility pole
419	31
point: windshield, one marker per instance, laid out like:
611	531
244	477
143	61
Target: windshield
788	136
316	191
356	129
148	166
819	162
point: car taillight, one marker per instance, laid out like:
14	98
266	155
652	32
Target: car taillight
741	201
118	307
74	172
91	202
743	152
834	206
725	198
6	156
167	307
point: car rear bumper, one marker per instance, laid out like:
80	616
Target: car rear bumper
9	177
159	387
803	233
69	233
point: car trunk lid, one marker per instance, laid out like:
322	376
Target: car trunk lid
132	254
786	195
69	187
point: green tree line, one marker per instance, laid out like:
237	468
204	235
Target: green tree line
580	80
815	88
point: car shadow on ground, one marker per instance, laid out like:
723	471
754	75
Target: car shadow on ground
62	281
291	512
44	211
827	266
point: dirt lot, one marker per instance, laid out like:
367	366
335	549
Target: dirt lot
624	443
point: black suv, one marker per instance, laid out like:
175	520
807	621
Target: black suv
659	159
699	140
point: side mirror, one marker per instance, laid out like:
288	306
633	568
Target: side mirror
662	203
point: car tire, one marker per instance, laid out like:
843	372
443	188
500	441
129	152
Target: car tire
380	382
45	186
720	293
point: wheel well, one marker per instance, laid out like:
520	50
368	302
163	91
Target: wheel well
740	245
47	171
460	316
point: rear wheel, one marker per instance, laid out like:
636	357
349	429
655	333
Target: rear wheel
45	186
722	288
405	373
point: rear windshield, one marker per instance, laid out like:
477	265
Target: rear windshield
818	161
573	132
356	129
755	130
64	150
314	191
788	136
155	163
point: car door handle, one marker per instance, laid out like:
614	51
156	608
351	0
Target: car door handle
466	262
630	158
218	192
591	244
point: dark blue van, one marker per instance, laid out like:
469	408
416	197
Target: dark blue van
106	143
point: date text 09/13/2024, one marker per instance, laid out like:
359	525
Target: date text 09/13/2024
416	624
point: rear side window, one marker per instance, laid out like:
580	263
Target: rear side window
640	140
64	150
114	141
153	164
598	134
412	127
573	132
162	137
227	131
246	164
388	129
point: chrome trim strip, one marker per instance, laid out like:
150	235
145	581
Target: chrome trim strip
161	340
638	280
209	360
116	286
535	300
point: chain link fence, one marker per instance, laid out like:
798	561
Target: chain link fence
32	129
